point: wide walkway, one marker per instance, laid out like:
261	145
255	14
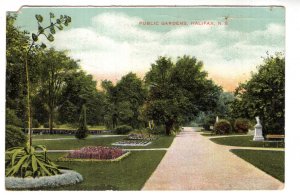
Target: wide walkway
195	163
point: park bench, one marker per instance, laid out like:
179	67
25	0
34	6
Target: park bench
272	138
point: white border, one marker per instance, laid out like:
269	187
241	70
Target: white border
292	76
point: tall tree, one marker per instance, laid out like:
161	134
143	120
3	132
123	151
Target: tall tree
178	92
16	42
131	95
124	100
55	66
263	95
80	89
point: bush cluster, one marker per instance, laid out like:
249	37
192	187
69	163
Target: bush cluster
12	119
241	125
14	137
222	127
123	129
46	125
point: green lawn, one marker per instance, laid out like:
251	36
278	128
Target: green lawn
244	141
161	142
53	136
271	162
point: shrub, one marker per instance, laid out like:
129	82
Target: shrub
35	123
14	137
222	127
82	131
27	162
242	125
46	125
12	119
123	129
157	130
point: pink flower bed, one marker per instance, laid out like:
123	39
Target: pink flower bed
96	152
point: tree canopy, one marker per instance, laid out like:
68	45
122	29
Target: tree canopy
263	95
178	91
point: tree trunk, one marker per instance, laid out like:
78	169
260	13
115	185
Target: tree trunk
169	126
51	121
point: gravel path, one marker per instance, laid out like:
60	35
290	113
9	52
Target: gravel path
195	163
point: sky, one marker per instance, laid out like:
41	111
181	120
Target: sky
113	41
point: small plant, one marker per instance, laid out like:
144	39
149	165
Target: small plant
222	127
241	125
28	162
123	129
82	131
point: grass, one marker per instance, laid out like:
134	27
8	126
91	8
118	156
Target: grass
49	136
271	162
76	144
161	142
97	127
243	141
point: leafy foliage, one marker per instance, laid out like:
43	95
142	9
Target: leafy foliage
178	92
124	101
242	125
14	137
64	19
123	129
222	127
12	119
28	162
263	95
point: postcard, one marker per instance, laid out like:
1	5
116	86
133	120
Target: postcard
145	98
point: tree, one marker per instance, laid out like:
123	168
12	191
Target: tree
55	66
80	89
263	95
16	42
223	108
131	95
178	92
124	100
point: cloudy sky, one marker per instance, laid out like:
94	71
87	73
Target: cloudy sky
110	42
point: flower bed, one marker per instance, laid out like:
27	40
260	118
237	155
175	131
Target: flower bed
67	177
132	143
95	153
141	137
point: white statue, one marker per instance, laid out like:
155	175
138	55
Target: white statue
258	136
257	120
217	119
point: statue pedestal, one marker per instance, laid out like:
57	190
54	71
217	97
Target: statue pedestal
258	133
